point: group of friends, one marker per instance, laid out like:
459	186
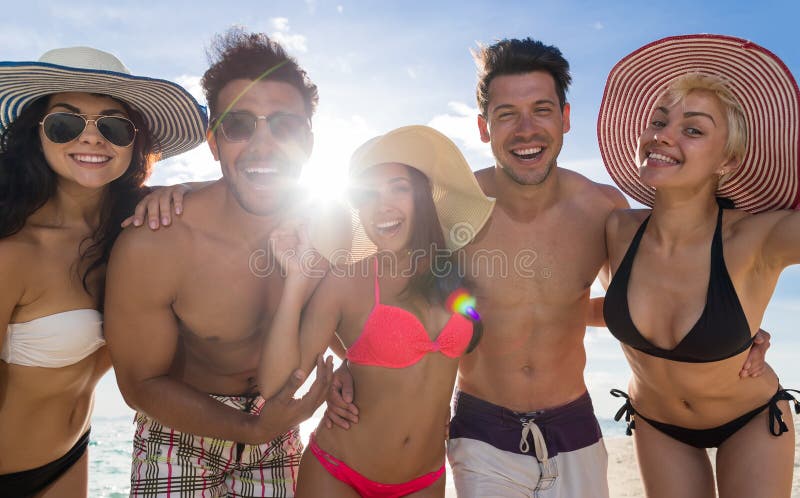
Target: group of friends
210	353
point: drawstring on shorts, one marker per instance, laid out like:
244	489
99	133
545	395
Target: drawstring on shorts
549	471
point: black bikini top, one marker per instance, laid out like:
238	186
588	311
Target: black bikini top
721	331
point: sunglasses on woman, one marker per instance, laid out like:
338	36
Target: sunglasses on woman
63	127
239	126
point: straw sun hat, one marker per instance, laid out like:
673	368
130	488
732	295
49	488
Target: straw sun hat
768	176
461	206
174	117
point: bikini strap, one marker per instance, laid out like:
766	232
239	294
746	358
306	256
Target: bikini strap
775	413
626	265
717	258
377	287
627	410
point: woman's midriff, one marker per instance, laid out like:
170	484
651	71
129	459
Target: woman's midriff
45	411
403	418
696	395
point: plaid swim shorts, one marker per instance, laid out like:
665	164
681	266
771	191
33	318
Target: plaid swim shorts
169	463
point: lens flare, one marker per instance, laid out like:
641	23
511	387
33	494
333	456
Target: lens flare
462	302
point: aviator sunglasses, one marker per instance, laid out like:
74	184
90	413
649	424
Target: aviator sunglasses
63	127
239	126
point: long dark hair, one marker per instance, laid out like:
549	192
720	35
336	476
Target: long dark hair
437	273
27	182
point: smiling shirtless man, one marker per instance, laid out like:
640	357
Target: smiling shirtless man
186	306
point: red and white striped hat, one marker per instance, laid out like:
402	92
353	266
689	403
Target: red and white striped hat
761	82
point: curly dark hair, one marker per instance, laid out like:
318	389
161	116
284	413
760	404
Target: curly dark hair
27	182
237	54
515	56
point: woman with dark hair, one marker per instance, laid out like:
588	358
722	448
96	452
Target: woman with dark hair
391	308
79	137
717	161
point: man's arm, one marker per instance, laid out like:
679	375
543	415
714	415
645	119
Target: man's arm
595	313
595	317
142	335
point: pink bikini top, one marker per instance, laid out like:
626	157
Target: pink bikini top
394	338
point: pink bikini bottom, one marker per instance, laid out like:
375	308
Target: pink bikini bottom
368	488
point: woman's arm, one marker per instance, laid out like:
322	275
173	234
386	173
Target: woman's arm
158	204
782	245
12	287
289	343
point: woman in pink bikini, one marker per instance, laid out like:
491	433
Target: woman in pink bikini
416	201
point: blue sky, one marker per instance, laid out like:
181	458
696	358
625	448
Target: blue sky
381	65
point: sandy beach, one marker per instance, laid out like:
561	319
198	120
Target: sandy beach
623	474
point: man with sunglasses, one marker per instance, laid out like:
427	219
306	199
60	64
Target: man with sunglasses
186	307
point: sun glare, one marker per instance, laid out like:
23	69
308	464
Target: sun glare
325	175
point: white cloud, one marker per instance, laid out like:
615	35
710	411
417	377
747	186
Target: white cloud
192	84
411	73
196	165
340	8
460	125
292	42
598	25
280	23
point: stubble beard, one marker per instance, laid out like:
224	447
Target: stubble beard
523	181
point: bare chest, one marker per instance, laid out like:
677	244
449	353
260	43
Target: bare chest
225	297
54	283
545	261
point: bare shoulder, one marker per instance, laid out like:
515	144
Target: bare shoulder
17	253
622	223
598	195
349	287
485	179
141	243
739	223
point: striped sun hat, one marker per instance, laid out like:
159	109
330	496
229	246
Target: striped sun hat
768	177
174	117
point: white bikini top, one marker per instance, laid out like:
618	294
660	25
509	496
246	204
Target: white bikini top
55	340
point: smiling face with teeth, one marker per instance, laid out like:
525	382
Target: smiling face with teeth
525	125
90	160
386	209
262	172
684	143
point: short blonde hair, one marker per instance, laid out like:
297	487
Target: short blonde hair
680	87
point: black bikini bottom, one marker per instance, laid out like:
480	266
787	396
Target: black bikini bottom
713	437
29	482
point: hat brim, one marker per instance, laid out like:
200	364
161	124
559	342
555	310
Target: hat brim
768	176
461	205
175	119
